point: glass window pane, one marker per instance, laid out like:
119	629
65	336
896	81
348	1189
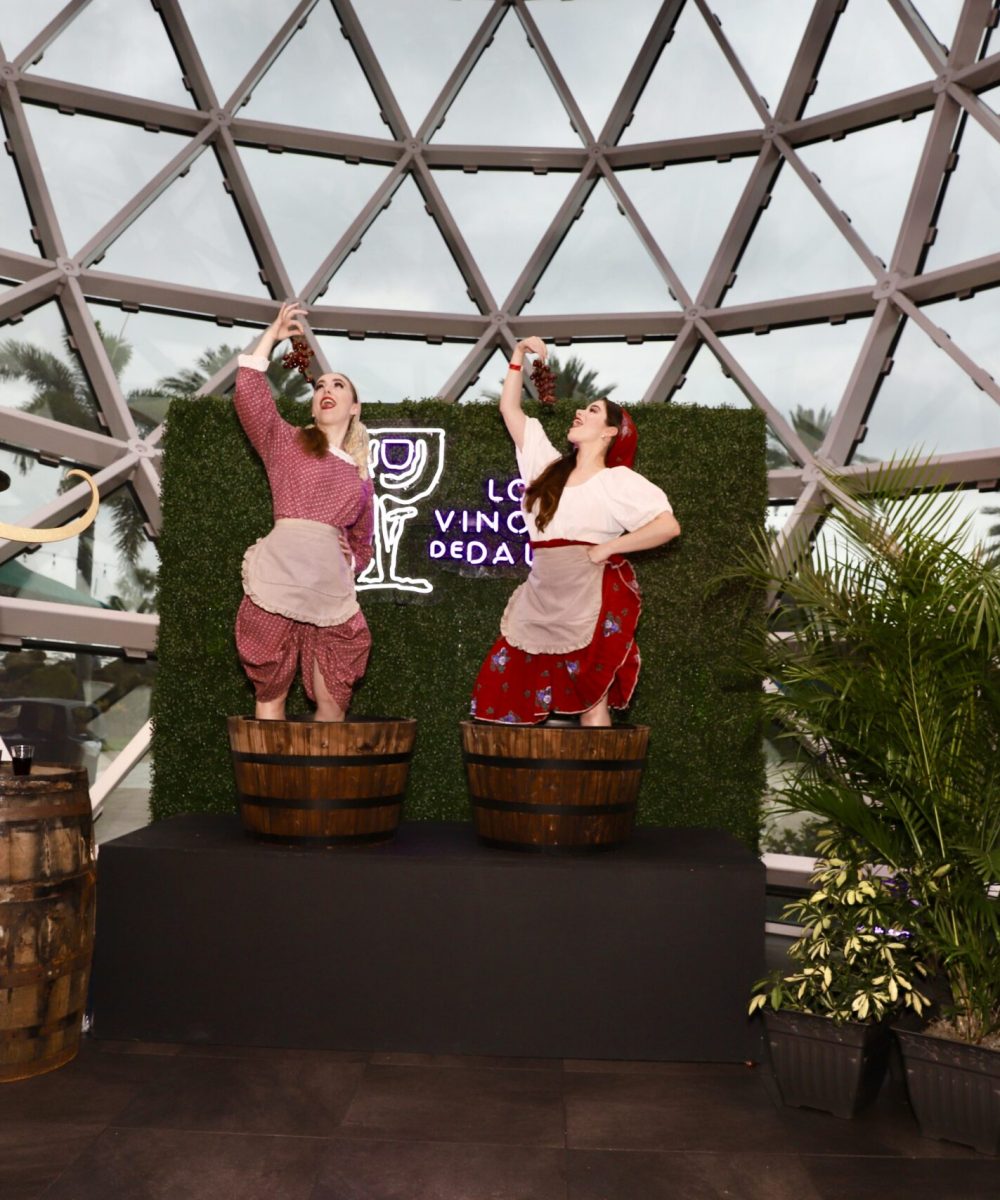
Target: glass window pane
972	324
126	807
589	370
119	46
692	89
93	167
795	249
970	212
706	384
765	36
502	216
402	262
15	233
803	371
870	53
166	243
386	370
941	17
869	174
687	208
41	374
418	46
601	266
508	100
486	389
594	44
232	34
927	402
308	202
316	53
21	22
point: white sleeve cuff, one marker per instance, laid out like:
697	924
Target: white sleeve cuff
256	362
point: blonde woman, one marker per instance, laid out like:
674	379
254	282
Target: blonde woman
300	610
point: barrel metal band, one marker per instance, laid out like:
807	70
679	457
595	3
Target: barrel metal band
35	1031
320	805
324	839
573	810
555	764
27	976
322	760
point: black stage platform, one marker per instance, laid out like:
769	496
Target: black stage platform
430	942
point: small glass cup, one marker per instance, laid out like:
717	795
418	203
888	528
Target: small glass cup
21	756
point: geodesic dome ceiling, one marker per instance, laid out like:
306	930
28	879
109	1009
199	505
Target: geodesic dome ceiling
786	203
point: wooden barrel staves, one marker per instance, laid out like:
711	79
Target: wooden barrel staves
553	788
47	910
321	782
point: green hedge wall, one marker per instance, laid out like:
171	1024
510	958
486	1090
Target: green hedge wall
705	766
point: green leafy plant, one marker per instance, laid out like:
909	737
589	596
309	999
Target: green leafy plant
856	960
891	670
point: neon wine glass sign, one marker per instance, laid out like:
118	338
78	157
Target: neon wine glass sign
406	465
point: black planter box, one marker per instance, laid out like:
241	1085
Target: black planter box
954	1089
817	1064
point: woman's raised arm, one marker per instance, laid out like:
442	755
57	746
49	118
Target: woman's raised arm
510	397
285	325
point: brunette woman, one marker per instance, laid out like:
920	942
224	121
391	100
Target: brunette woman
300	610
567	641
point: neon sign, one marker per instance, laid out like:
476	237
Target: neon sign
406	465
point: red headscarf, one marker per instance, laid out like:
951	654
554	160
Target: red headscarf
622	451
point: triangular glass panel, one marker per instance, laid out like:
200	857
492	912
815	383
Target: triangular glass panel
21	22
520	203
869	54
928	403
402	262
486	388
869	174
687	208
707	385
595	44
308	202
619	370
231	35
387	370
317	52
93	167
692	89
972	324
941	18
161	357
126	561
43	376
970	213
508	100
601	266
119	46
418	47
802	370
795	249
165	243
17	222
765	36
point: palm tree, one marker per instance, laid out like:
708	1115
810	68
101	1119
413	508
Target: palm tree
810	425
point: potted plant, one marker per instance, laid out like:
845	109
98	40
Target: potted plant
890	667
827	1021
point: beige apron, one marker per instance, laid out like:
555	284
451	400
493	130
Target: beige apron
556	609
299	571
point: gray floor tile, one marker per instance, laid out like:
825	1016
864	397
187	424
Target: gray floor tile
34	1153
630	1175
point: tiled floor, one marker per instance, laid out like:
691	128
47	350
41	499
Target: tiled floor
134	1121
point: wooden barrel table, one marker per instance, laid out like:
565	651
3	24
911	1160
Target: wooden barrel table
322	782
47	911
553	788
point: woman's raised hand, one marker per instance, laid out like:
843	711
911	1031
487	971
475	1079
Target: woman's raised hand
531	345
287	323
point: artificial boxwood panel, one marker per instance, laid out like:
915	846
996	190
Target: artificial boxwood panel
705	765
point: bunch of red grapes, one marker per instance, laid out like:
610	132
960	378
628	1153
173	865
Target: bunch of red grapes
299	358
544	381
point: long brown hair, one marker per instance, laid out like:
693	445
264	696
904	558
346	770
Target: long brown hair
546	491
312	439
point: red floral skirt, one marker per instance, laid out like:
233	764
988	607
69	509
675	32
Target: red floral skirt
518	688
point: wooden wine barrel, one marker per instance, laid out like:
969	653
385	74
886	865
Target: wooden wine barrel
333	782
47	911
553	788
